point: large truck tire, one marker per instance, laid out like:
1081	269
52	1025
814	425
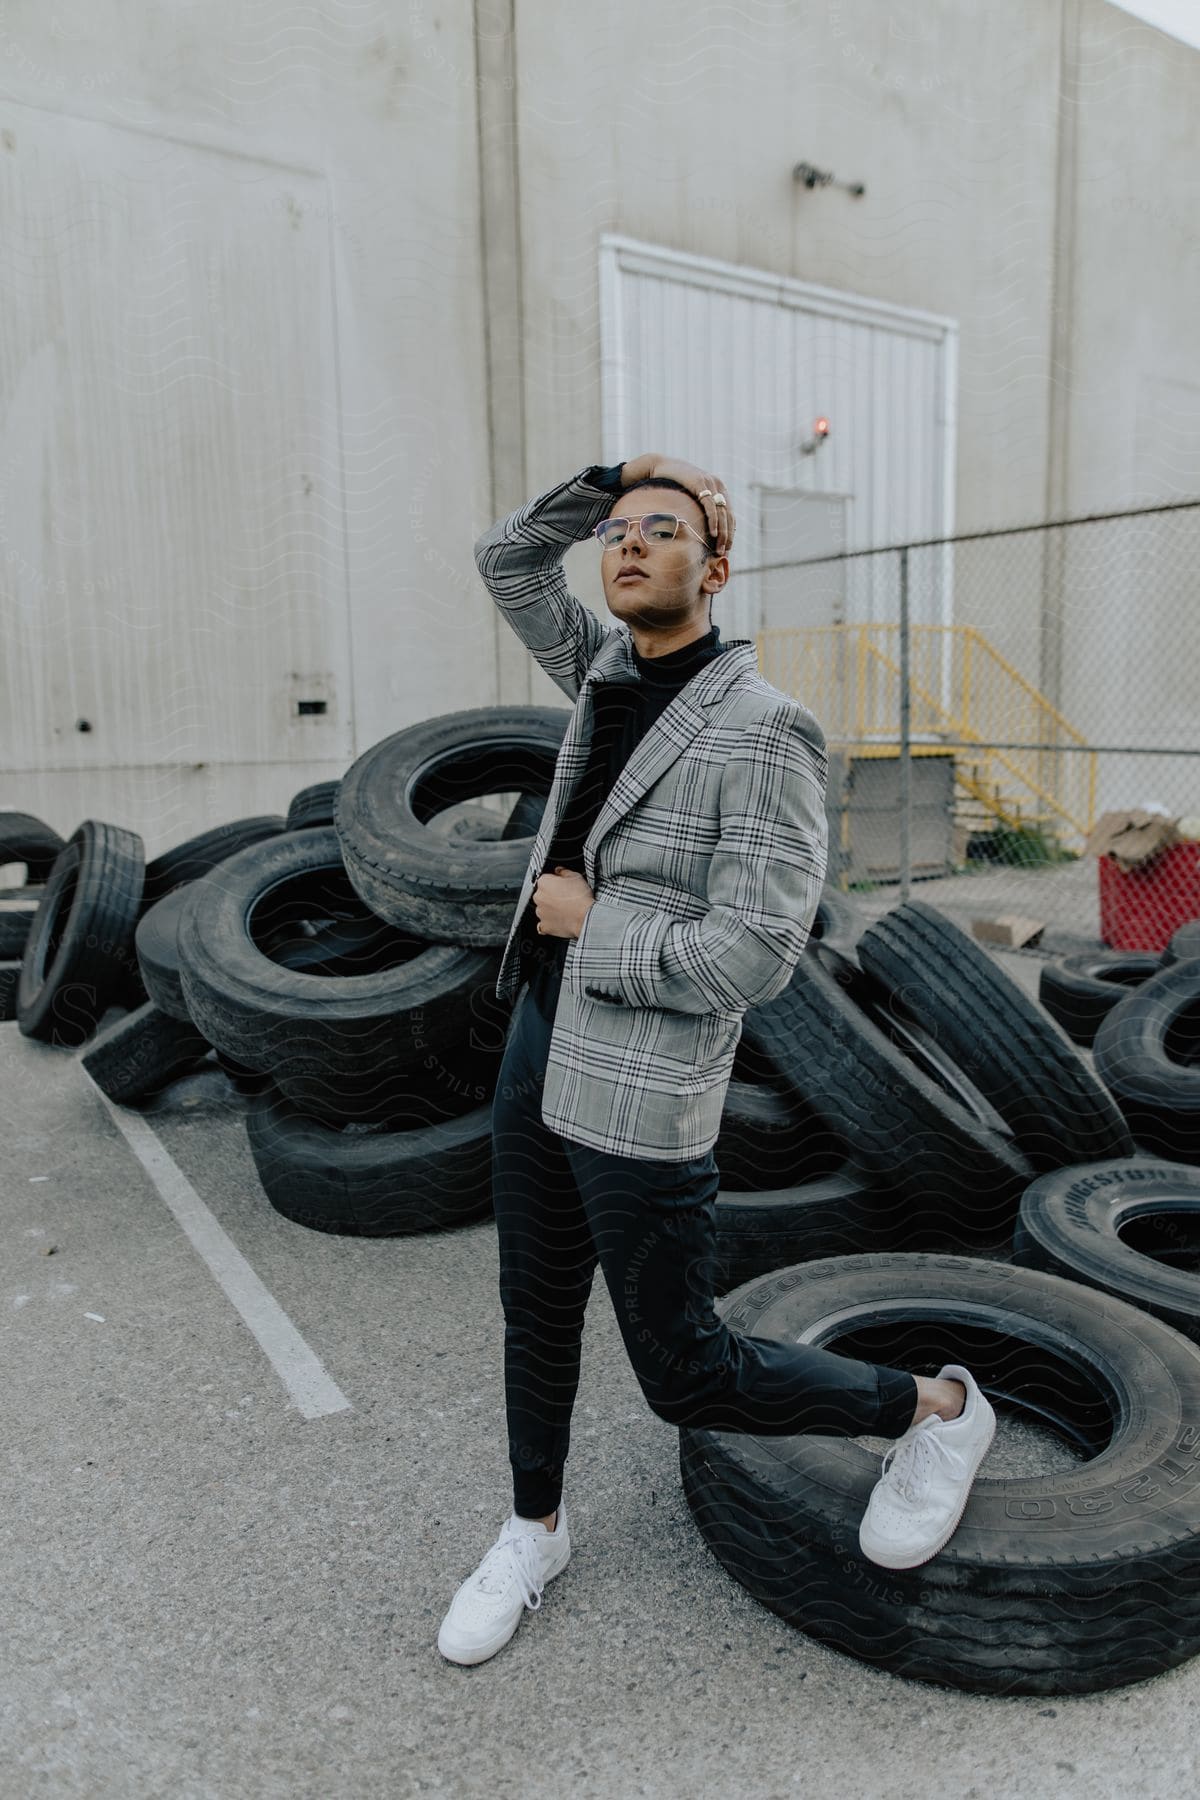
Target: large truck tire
16	922
1148	1052
10	975
371	1183
1184	944
838	1214
312	806
158	953
438	887
142	1052
1026	1066
81	942
26	839
952	1173
1129	1228
198	855
1057	1583
417	1035
770	1139
1080	991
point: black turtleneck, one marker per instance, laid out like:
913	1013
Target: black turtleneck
624	711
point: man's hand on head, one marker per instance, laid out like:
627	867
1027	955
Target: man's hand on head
561	901
704	487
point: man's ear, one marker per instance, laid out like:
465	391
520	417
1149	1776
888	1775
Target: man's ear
719	573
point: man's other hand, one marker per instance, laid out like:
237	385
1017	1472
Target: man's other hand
561	901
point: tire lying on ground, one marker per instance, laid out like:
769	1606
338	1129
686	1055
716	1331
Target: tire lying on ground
158	953
1184	944
371	1183
769	1139
329	947
1052	1584
486	824
1129	1228
26	839
245	1080
15	925
1079	992
416	1036
312	806
441	888
830	1215
141	1053
1148	1052
1058	1112
948	1170
81	942
790	1189
198	855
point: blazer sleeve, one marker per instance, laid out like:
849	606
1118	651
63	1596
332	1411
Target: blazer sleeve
764	883
520	559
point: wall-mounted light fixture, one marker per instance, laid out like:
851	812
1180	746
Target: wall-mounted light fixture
812	177
820	433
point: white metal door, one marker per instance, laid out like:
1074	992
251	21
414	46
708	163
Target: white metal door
796	527
729	367
173	574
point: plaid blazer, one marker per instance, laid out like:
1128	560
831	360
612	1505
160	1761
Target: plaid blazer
706	858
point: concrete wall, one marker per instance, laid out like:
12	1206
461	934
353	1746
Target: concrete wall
365	116
1128	616
1027	174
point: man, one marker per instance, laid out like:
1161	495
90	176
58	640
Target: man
672	885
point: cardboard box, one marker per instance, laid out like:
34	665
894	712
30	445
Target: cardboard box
1009	931
1131	838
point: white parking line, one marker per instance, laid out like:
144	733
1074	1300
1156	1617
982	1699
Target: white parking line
312	1389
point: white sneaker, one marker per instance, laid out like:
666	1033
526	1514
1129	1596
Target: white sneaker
925	1481
487	1608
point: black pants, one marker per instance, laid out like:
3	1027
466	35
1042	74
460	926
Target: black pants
560	1207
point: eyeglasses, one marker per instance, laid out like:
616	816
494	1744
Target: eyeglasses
656	528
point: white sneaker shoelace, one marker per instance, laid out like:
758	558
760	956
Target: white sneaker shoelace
909	1466
514	1554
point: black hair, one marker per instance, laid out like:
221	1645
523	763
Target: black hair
668	481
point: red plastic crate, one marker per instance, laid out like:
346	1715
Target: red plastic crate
1140	909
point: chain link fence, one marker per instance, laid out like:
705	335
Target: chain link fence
988	697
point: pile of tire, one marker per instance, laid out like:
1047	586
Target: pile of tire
1140	1013
951	1088
340	963
1080	991
1085	1317
900	1102
344	976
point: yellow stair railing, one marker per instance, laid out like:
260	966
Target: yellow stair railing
964	696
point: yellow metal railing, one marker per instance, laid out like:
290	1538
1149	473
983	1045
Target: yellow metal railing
963	696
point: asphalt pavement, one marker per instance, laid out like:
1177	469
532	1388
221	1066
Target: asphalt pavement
248	1463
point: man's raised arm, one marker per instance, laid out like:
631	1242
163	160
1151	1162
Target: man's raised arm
520	559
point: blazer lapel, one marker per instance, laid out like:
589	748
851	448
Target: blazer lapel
669	735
